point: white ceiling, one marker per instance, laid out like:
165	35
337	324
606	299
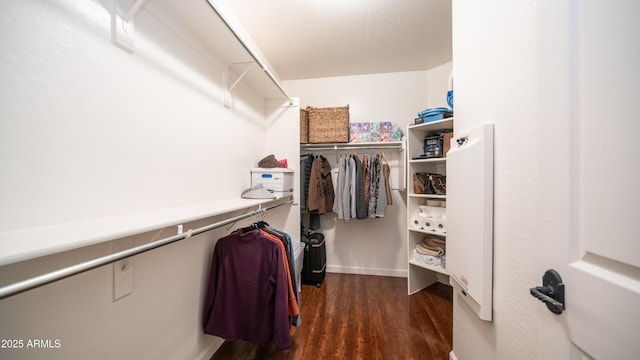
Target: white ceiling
305	39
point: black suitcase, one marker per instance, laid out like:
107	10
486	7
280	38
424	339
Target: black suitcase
315	259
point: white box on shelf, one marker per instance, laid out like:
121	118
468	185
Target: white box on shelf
279	181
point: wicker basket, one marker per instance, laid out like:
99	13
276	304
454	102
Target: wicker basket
328	125
304	126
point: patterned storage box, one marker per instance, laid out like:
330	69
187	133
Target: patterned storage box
363	132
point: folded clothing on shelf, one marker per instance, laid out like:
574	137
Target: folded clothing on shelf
430	260
431	245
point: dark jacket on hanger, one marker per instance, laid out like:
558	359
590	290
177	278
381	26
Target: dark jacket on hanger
306	163
321	194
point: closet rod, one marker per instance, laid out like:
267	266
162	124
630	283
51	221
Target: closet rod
247	48
44	279
313	148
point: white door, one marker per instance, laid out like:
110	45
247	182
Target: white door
589	93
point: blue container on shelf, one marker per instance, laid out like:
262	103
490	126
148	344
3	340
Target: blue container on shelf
429	115
450	91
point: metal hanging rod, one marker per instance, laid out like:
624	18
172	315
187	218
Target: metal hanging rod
44	279
364	146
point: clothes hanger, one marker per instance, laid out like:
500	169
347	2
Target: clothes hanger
384	157
249	228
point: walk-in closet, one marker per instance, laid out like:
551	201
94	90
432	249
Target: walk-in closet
152	203
383	179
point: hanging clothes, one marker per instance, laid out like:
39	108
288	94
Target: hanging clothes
374	169
321	195
345	192
361	206
337	204
363	188
292	299
352	187
387	172
306	162
249	294
384	189
306	166
366	179
296	286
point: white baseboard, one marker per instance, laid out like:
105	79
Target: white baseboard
366	271
211	349
452	356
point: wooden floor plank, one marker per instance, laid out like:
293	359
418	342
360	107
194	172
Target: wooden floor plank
362	317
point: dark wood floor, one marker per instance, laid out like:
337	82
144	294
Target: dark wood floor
363	317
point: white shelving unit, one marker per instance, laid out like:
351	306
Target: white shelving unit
421	274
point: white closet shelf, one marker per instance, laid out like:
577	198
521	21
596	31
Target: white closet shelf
217	32
426	161
428	232
434	125
438	269
21	245
428	196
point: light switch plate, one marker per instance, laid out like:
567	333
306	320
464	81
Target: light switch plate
123	271
122	279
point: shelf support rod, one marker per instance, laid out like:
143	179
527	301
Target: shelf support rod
134	10
246	70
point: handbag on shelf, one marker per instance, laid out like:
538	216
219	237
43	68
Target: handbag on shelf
422	184
438	184
430	184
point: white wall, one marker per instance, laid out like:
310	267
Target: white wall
494	52
437	85
373	246
109	130
90	131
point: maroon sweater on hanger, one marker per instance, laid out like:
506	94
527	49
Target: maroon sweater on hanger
247	292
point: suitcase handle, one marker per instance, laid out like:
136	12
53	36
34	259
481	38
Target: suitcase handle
319	271
318	245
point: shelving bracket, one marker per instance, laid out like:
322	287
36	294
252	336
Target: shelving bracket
229	88
122	27
246	70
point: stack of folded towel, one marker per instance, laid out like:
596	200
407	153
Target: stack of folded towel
431	250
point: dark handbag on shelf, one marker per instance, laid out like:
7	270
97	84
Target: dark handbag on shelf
438	184
423	183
